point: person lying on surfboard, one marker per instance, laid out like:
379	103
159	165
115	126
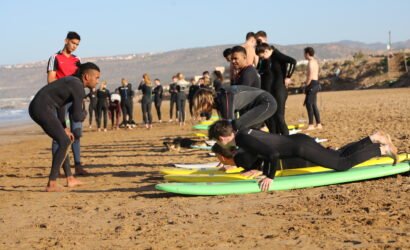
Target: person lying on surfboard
249	145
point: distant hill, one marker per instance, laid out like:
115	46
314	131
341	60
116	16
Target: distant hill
24	80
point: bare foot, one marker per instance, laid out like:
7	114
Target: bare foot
53	187
319	126
73	182
310	127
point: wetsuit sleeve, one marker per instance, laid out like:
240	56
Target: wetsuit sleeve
224	102
288	60
78	96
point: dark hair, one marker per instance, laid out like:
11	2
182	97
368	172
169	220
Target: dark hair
310	51
261	33
227	52
84	68
225	152
239	49
205	73
220	128
260	48
219	75
156	79
250	35
73	35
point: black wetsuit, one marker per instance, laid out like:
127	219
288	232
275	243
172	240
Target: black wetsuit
217	85
92	107
254	144
127	105
146	103
157	92
103	103
181	100
255	105
173	101
248	76
191	93
282	66
43	110
311	101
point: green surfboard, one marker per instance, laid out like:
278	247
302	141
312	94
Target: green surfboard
286	182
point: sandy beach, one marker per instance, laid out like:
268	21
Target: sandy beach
119	208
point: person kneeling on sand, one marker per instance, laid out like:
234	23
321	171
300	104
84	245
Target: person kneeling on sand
43	110
249	145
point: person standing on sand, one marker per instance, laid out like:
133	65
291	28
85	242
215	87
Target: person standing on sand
249	45
146	101
312	87
173	99
127	104
62	64
43	110
92	107
181	100
282	67
103	103
247	145
246	74
115	110
191	93
157	92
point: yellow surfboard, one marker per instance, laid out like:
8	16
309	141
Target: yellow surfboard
181	171
220	176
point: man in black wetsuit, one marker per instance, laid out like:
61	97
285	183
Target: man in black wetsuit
173	101
127	105
248	145
157	92
92	107
282	67
43	110
246	74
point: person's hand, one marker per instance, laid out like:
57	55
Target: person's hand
69	134
288	81
264	184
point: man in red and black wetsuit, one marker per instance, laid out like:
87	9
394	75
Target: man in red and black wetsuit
60	65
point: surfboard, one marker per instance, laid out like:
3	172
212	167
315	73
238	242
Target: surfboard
198	165
205	126
209	174
285	183
198	171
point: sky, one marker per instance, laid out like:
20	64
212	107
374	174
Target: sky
34	30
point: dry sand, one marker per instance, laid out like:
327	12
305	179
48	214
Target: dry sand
119	208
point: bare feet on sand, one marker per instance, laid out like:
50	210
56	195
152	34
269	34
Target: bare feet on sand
73	182
312	127
53	187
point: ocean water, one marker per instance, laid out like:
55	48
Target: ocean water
14	111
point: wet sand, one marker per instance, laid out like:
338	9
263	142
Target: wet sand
119	208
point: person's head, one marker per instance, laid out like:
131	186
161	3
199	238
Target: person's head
157	82
239	57
261	37
103	85
89	73
147	79
222	131
203	101
218	75
180	76
224	155
71	42
201	81
251	39
174	78
264	50
205	74
227	54
124	82
309	52
192	81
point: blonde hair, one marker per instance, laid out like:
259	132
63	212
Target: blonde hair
103	84
203	101
147	79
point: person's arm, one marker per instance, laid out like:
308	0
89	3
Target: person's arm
78	93
52	69
288	60
160	91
